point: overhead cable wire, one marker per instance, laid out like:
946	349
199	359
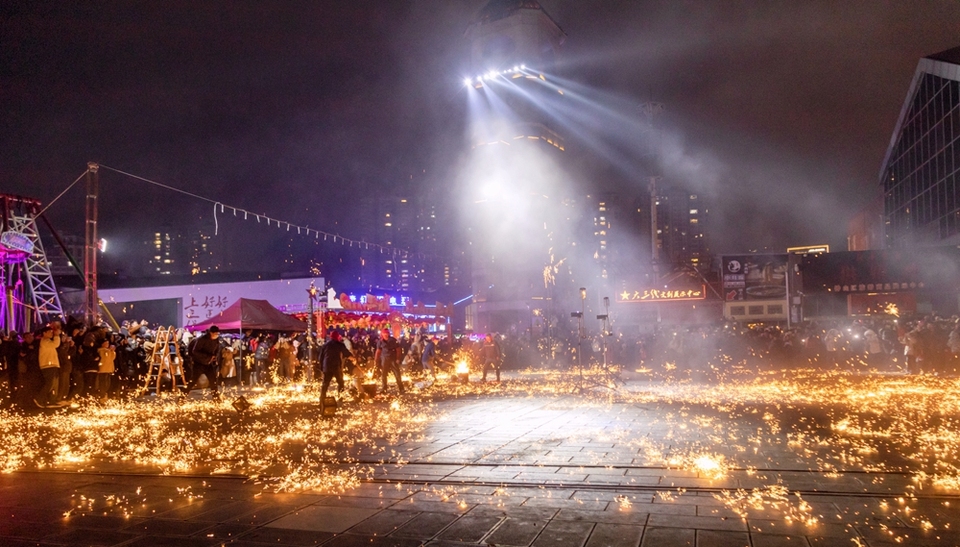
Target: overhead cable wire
67	189
269	220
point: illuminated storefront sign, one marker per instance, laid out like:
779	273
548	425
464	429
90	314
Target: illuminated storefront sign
662	295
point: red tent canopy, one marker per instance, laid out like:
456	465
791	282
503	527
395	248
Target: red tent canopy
247	314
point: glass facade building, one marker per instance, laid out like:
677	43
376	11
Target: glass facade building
920	178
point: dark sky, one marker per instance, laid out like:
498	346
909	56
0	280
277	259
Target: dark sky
782	110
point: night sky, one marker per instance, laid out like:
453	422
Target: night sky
780	110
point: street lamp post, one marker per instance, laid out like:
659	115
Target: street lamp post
579	316
604	332
311	339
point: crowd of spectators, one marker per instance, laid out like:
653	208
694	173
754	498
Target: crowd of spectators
922	345
59	364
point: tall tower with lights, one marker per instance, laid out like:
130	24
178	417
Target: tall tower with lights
516	187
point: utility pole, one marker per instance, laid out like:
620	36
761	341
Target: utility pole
91	302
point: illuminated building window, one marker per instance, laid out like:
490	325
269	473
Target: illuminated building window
694	220
693	211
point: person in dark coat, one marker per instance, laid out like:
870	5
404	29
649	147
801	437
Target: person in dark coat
88	362
388	357
332	356
206	359
491	355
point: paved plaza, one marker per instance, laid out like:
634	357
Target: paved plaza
511	470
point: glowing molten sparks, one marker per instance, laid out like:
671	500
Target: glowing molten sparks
462	367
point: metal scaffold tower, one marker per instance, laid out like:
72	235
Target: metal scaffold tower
30	295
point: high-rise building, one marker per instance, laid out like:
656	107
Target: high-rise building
682	218
519	199
409	254
162	248
920	179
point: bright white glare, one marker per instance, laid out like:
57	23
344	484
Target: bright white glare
516	68
522	67
467	81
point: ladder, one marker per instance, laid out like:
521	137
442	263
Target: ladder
163	360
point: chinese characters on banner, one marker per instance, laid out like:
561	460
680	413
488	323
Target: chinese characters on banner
195	312
661	295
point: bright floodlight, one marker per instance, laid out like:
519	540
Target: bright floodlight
467	81
522	67
516	68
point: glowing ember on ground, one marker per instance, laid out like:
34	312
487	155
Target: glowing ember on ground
835	422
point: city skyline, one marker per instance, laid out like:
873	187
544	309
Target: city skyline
313	107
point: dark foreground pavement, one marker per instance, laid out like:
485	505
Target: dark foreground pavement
511	472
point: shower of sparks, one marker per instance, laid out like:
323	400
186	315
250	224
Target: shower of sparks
774	497
740	421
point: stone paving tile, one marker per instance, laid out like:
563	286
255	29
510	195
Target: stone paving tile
166	527
371	490
787	527
515	531
664	509
383	523
225	532
23	529
261	515
687	482
564	533
908	536
195	508
347	540
425	525
470	528
566	503
31	514
282	536
608	495
82	536
772	540
521	512
323	518
615	535
674	537
819	541
359	501
610	517
713	538
656	472
26	543
704	523
713	511
431	506
156	541
94	522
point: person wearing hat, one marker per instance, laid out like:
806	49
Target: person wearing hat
206	359
332	355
